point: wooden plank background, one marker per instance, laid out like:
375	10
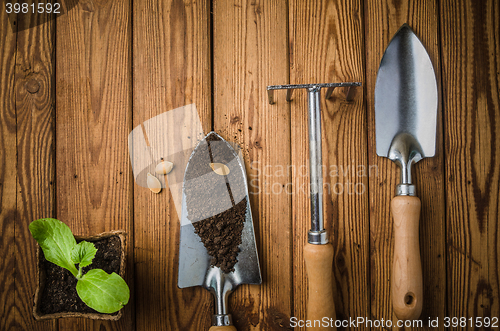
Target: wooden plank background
72	89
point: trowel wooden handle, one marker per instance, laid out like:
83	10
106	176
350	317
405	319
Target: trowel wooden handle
319	259
406	282
223	328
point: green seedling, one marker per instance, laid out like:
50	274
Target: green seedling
106	293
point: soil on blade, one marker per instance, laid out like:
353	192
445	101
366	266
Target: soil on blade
221	235
216	204
59	293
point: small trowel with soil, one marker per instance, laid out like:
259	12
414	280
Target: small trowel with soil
406	107
217	245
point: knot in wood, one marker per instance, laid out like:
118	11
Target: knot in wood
32	86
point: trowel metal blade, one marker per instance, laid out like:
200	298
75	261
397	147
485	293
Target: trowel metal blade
406	97
194	261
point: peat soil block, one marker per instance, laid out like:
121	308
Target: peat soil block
59	292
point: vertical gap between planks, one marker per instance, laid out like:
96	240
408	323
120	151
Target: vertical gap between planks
54	146
15	111
131	200
293	236
55	203
211	63
363	10
443	145
288	106
365	92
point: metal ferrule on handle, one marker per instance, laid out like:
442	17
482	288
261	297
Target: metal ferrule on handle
405	187
222	320
405	151
220	286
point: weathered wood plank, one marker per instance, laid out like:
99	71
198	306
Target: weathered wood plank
35	97
250	52
326	41
471	53
171	69
8	174
382	20
93	119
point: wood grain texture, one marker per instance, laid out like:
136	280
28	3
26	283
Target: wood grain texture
171	69
93	119
382	20
8	175
318	261
222	328
34	99
326	46
250	52
406	273
471	53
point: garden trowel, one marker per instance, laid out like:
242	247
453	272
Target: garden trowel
217	242
406	104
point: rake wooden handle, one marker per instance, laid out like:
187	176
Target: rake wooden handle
319	259
223	328
406	283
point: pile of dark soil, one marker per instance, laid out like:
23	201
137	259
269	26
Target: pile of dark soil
59	293
217	221
221	235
